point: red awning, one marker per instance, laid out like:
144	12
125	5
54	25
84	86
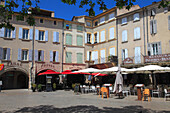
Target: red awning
49	72
99	74
66	72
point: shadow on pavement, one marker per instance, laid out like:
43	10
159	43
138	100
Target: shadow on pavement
87	109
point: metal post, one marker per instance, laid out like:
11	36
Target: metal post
32	68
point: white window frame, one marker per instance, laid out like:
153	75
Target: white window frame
41	38
9	33
24	55
5	55
24	35
39	55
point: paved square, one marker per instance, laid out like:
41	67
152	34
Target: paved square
62	101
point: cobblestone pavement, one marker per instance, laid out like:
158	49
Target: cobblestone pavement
67	102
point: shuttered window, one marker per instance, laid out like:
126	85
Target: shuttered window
154	48
102	36
40	55
79	28
68	57
7	33
153	27
41	36
137	33
102	56
25	55
55	36
169	22
4	54
68	39
111	33
124	54
124	36
88	56
79	58
95	57
112	51
79	40
137	55
25	33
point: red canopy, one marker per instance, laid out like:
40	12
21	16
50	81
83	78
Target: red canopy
70	72
49	72
99	74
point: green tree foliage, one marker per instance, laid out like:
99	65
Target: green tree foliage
7	10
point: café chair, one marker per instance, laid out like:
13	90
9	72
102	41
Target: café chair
105	90
167	94
157	92
146	94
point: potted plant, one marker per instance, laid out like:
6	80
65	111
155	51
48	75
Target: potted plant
54	86
39	87
34	87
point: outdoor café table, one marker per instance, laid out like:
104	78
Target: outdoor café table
139	86
107	86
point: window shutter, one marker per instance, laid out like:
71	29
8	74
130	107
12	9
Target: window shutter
125	34
57	36
56	56
2	32
79	58
20	33
68	39
149	49
46	35
87	56
169	22
31	33
85	37
159	48
30	55
19	54
92	38
54	37
135	33
79	40
42	55
102	56
8	53
112	51
36	55
97	37
151	25
51	56
68	57
36	35
137	55
123	54
64	25
155	26
102	38
126	53
96	57
1	52
138	33
14	33
93	55
111	33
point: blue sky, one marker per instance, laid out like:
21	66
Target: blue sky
68	11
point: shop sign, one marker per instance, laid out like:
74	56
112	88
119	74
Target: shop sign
75	67
1	66
14	64
157	58
128	61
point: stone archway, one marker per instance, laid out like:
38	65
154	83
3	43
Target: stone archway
14	79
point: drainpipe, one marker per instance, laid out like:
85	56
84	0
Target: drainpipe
117	38
62	46
147	26
144	31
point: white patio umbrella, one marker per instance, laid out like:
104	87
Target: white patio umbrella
90	70
115	69
118	87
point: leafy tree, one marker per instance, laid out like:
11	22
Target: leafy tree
7	10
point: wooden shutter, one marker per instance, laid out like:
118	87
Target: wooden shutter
56	56
30	55
54	37
19	54
79	40
123	36
2	32
20	33
155	26
137	55
151	27
36	55
97	37
112	51
138	33
42	55
36	34
79	58
92	38
68	57
57	36
111	32
1	52
169	22
46	35
159	48
102	56
102	38
14	33
85	38
135	33
8	53
126	53
87	56
51	56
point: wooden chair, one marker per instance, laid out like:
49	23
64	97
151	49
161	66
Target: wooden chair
105	90
146	94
